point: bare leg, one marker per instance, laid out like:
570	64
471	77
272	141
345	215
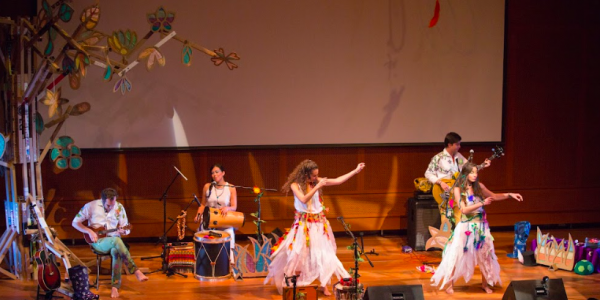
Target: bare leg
450	288
114	292
485	286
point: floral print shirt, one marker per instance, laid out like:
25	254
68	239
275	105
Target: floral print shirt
94	213
442	166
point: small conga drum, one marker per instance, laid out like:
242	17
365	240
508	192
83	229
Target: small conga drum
347	292
212	255
212	218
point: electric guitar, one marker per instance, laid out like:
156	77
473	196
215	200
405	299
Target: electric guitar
48	272
102	232
442	196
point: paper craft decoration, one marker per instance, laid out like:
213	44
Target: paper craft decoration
554	254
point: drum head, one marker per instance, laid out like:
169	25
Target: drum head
205	237
206	217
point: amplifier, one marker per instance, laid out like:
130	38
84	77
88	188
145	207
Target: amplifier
421	215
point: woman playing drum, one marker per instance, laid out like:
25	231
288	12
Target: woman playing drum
220	195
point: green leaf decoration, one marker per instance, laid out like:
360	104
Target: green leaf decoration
75	150
108	74
54	154
62	163
64	141
75	162
65	12
186	54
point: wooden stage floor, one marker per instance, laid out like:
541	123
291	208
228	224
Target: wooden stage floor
392	267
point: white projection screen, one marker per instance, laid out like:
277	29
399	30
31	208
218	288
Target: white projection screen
311	72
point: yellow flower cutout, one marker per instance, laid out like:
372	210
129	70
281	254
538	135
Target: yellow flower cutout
54	101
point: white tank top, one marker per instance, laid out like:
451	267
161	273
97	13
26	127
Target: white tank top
219	197
312	206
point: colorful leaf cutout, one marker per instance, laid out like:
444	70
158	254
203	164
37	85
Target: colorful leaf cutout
75	80
81	62
153	55
68	65
186	54
90	37
123	85
108	74
90	17
65	12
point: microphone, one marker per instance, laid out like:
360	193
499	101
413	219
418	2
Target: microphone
341	218
471	155
196	199
180	173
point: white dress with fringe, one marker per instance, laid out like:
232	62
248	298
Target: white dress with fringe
471	244
309	249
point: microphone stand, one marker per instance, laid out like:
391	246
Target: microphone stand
163	238
357	253
257	215
293	280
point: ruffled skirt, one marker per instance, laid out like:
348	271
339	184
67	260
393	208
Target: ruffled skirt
308	249
470	245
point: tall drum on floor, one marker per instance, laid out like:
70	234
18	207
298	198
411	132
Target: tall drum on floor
212	255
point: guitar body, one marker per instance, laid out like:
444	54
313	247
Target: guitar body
437	190
48	272
101	232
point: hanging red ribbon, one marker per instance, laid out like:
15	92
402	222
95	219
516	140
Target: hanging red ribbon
436	14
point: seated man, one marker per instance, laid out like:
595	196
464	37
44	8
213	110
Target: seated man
109	214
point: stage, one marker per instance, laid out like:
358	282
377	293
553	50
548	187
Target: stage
391	267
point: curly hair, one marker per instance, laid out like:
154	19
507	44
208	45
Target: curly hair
462	180
301	172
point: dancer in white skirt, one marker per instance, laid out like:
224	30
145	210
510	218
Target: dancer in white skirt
471	243
308	249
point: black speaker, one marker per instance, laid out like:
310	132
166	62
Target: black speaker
395	292
421	215
552	289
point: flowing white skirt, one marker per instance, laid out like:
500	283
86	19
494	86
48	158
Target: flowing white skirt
313	258
464	251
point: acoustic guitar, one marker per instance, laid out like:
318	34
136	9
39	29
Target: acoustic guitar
48	272
442	196
102	232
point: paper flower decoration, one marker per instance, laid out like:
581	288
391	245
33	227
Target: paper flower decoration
161	20
65	154
122	42
221	57
153	55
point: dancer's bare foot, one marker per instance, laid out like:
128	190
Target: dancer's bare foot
140	276
450	290
326	291
114	293
486	288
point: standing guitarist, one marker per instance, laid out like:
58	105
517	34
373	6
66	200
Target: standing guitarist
445	164
107	213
